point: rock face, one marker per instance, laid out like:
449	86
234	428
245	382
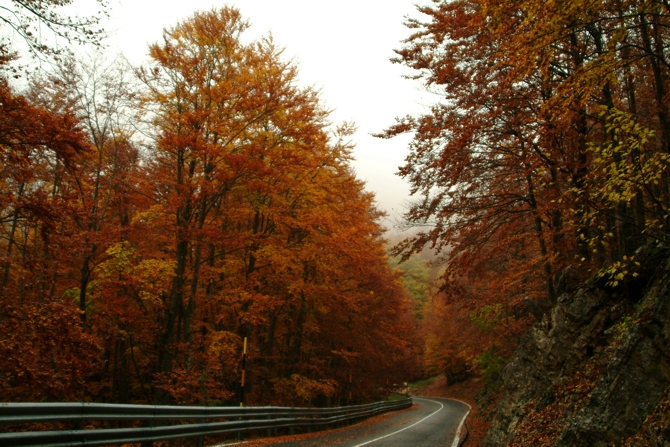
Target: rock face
597	372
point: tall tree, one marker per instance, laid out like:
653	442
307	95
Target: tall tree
541	153
246	170
97	91
138	262
45	354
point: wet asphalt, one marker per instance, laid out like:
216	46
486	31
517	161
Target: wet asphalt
431	422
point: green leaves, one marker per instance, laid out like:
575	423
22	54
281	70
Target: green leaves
488	317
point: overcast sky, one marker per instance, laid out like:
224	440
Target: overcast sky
342	48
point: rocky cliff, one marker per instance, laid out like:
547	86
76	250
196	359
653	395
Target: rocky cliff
596	371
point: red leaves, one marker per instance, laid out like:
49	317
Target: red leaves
242	218
45	354
533	157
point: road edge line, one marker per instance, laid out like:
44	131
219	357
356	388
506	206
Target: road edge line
457	439
410	426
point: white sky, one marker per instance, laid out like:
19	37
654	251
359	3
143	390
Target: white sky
342	48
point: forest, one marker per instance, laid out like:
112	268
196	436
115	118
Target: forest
543	163
157	219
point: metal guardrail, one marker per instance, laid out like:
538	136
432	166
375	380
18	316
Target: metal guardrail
237	419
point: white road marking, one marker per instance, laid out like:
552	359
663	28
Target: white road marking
416	423
454	444
458	430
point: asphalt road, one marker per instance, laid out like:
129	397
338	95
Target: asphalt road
431	422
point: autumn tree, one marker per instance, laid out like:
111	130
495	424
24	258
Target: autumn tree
250	185
214	98
542	152
417	278
98	93
147	230
45	354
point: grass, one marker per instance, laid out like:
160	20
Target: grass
420	384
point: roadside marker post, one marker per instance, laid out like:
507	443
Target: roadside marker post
240	434
244	366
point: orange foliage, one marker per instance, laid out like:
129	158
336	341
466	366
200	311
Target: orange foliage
149	257
548	147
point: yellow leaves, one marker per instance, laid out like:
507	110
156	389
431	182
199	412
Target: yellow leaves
152	276
225	347
155	276
618	271
119	260
147	216
620	169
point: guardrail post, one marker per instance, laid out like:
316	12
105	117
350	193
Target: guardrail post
201	438
240	434
151	423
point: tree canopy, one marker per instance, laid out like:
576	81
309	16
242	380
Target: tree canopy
154	218
548	147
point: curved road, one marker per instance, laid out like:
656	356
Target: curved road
430	422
